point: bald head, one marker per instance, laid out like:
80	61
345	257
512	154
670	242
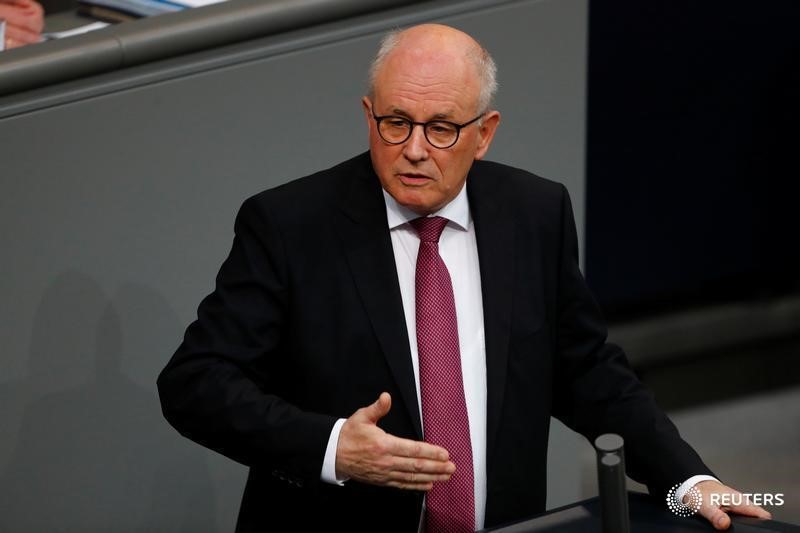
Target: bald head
430	48
428	114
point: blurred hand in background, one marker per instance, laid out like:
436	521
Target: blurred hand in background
24	22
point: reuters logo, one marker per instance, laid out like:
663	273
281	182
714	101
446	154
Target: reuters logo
693	502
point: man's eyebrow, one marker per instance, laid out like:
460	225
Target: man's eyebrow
438	116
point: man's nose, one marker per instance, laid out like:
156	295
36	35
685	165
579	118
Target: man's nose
416	147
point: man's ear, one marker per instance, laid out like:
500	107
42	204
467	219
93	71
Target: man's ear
486	132
367	105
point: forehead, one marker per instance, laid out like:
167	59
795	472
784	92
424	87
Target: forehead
424	81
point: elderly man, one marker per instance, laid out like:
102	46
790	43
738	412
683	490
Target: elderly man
444	286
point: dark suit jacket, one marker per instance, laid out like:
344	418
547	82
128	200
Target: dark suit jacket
306	325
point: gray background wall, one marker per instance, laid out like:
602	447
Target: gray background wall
116	209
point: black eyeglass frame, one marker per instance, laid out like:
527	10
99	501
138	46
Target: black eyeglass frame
458	127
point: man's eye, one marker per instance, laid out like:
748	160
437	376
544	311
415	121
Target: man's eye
397	123
440	128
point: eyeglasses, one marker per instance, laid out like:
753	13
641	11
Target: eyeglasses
439	133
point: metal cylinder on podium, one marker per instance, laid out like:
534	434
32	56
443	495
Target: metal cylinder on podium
611	482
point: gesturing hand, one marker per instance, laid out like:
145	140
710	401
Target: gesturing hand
368	454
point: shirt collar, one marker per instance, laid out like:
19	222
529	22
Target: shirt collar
456	211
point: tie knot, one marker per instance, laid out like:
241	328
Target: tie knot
429	229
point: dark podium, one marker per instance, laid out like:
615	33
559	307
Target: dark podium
647	516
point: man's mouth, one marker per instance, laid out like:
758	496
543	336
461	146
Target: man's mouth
414	179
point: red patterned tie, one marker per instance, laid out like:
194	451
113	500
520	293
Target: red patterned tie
450	504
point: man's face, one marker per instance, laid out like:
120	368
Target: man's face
421	86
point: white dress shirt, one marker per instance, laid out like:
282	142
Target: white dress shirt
459	251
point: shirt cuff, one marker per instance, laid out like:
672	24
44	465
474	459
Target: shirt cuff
328	474
687	485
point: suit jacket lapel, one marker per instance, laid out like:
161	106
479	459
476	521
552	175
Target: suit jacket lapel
494	232
364	230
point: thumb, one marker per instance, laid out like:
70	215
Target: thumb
379	409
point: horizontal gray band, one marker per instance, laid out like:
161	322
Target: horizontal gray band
169	35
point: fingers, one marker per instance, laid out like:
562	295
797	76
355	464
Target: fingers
720	519
716	517
418	449
34	13
749	510
16	36
25	20
416	474
373	456
21	18
414	481
422	487
414	470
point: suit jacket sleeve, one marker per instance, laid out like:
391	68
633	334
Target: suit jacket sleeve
221	388
596	391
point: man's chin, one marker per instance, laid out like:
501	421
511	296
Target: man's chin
420	208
